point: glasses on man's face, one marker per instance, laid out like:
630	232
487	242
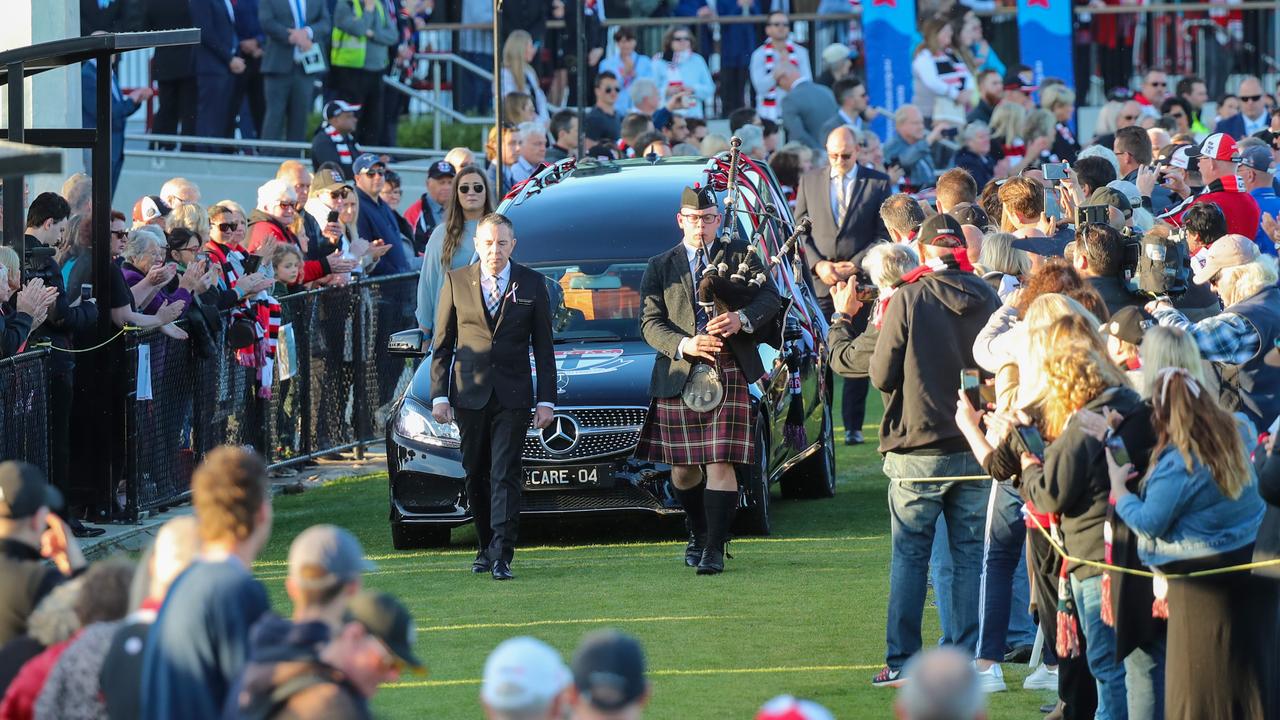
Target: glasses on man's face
471	189
609	89
696	219
375	171
1250	98
681	38
342	194
840	156
119	234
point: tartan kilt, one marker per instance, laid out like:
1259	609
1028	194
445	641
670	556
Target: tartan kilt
676	435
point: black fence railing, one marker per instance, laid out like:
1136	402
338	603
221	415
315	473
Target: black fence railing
24	408
331	377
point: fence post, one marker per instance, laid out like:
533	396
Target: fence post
131	468
359	402
303	342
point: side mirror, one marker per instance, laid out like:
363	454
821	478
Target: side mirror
406	343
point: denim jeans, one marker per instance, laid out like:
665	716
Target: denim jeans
1132	689
941	572
914	508
1005	533
1022	627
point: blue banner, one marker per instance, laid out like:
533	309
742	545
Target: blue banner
1044	39
889	30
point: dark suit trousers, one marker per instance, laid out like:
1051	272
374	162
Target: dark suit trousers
492	443
178	101
214	112
853	406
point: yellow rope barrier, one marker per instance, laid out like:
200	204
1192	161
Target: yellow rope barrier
99	346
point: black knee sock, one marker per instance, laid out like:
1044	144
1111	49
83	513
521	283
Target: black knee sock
722	505
694	509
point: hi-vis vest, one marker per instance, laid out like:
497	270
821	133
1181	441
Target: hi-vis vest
349	50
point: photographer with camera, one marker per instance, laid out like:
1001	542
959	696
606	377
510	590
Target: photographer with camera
46	224
1099	258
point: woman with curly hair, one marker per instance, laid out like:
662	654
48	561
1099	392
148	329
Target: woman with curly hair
1071	482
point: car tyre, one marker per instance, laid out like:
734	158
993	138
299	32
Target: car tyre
755	518
411	536
815	476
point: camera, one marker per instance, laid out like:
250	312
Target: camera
1091	215
1054	171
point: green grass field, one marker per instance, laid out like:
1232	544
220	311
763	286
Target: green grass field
799	612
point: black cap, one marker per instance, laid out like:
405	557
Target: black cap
388	620
440	170
970	214
698	197
334	108
941	231
1129	324
23	490
608	670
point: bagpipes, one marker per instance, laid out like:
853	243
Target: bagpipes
748	193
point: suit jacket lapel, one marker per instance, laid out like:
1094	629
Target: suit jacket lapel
855	192
680	265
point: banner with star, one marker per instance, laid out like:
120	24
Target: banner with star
889	32
1044	38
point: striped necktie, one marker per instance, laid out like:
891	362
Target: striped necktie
495	296
699	313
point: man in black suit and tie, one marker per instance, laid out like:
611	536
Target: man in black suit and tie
843	201
217	62
489	315
685	334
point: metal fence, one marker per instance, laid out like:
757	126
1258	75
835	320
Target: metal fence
340	379
24	408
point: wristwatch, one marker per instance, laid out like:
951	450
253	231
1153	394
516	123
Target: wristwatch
838	317
746	324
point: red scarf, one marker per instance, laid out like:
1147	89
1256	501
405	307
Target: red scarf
770	98
958	259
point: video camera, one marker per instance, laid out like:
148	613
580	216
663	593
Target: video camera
1154	266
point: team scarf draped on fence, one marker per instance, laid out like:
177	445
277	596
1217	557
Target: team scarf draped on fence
265	314
770	99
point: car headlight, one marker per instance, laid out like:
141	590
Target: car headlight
415	423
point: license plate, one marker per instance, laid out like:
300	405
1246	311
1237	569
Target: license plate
568	478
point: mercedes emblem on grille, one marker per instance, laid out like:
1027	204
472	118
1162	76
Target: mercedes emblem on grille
560	436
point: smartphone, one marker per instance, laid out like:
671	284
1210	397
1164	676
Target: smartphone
951	133
1052	203
1118	451
86	292
867	293
971	383
333	216
202	256
1031	440
1054	171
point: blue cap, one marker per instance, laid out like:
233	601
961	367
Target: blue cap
366	161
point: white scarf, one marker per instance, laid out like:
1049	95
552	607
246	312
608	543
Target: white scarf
770	98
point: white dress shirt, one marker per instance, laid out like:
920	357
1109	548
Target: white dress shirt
487	282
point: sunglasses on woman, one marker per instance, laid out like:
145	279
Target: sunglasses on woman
342	194
471	189
232	226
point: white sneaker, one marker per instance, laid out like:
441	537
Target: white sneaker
1044	678
991	680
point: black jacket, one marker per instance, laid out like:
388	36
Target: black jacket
981	167
168	63
926	339
1073	481
667	316
476	356
839	239
14	328
63	321
850	351
1267	546
1114	295
27	579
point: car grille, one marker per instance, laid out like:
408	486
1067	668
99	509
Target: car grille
604	432
624	497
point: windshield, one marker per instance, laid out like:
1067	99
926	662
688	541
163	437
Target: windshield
595	302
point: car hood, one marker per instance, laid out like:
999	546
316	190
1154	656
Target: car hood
587	374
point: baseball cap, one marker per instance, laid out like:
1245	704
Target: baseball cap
787	707
970	214
440	170
1176	156
148	208
387	619
1108	195
1128	324
365	162
324	555
941	231
1227	251
1219	146
835	52
523	673
608	670
23	490
325	181
334	108
1258	158
1128	190
1020	78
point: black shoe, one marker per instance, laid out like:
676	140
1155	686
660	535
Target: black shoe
712	562
857	437
848	438
81	530
693	551
1020	654
481	564
502	570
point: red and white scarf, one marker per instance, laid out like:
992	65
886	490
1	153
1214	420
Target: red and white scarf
345	155
265	315
770	99
956	259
